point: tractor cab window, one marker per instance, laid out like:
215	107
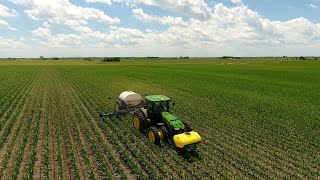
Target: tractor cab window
165	105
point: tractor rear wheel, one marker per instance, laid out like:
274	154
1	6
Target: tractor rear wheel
139	121
164	134
153	135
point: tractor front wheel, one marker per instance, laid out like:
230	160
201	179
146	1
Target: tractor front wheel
164	134
153	135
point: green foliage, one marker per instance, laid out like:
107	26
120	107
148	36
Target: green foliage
258	118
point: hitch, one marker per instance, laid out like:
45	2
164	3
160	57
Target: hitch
108	115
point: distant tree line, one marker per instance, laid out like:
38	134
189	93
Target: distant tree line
303	58
87	59
230	57
111	59
52	58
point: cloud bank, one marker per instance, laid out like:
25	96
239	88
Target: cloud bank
202	31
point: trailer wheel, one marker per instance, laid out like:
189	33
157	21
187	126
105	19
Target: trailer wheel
164	134
153	135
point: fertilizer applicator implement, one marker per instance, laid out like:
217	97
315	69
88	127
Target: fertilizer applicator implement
152	116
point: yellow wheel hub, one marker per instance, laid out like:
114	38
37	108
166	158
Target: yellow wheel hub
136	122
151	137
160	133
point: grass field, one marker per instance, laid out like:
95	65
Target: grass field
257	118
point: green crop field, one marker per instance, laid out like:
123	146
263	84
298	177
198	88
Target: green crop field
258	119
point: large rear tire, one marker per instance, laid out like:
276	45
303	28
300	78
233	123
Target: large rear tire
153	135
139	121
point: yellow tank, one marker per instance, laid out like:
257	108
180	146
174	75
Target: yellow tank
187	138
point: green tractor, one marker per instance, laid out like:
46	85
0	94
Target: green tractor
152	116
159	124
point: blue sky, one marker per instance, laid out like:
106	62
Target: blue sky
30	28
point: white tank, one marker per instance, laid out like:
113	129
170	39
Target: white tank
130	98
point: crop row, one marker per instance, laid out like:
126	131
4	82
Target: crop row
19	124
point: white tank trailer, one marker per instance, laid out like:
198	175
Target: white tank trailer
129	100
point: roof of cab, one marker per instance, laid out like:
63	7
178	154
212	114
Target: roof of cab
156	98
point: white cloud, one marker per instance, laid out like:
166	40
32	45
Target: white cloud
237	2
313	6
146	18
192	8
7	12
227	31
4	24
62	11
42	32
99	1
57	40
6	43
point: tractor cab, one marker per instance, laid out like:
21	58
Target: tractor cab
155	105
